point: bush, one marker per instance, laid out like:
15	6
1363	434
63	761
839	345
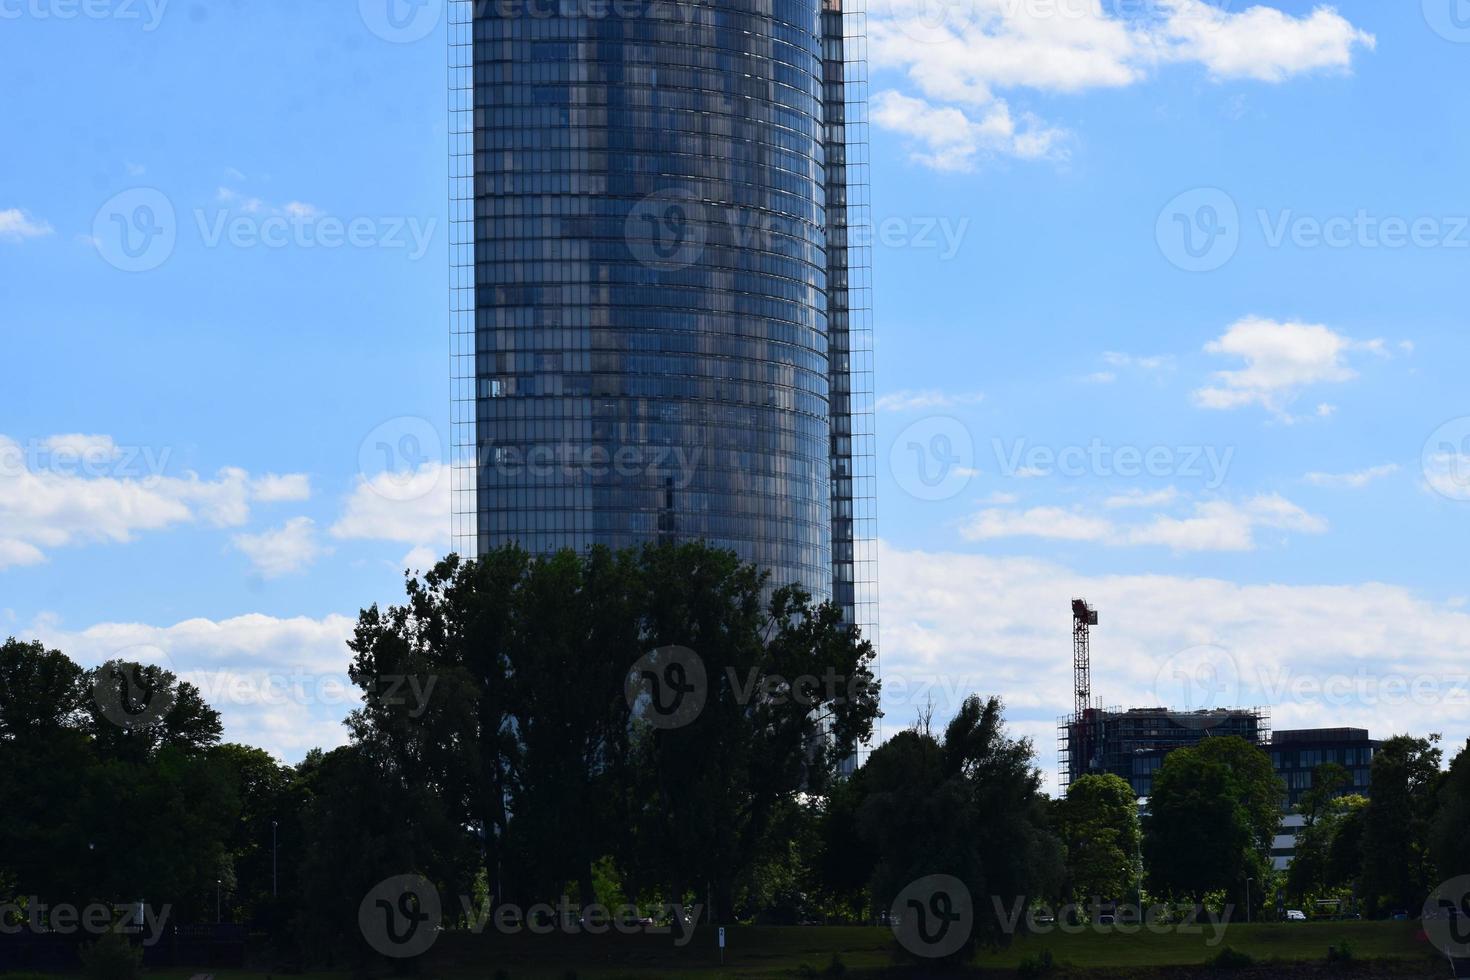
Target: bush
1036	965
1230	958
111	958
1342	952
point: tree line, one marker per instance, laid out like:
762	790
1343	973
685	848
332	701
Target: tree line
516	744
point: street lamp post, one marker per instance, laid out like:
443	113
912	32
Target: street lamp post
274	890
217	917
1248	900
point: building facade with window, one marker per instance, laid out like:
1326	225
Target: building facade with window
658	296
1296	754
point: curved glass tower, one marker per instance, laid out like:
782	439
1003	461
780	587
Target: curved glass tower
650	284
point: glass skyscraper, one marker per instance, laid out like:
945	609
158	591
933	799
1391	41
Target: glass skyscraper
659	288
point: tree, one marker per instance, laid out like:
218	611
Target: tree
1450	836
1214	811
46	760
1323	809
969	806
1398	871
1097	822
528	735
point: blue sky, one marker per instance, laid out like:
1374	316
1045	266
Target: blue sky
1036	164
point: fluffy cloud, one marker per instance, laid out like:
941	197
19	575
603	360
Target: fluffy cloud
1212	525
16	226
1373	656
412	508
292	547
75	489
274	488
1280	360
961	53
947	138
1261	43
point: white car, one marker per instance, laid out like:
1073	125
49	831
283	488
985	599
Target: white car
1295	915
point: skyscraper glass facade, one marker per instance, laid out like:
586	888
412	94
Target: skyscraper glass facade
650	280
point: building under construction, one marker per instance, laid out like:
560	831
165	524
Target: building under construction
1132	743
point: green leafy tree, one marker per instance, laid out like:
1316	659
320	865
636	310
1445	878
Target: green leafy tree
1214	811
1344	862
1323	809
1450	836
1398	870
969	806
1098	824
527	735
47	776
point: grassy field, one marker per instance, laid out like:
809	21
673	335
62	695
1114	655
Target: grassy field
769	953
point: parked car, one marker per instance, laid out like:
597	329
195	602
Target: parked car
1295	915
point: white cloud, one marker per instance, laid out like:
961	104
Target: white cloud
1143	498
975	49
1038	522
1280	359
1360	478
272	488
409	508
1218	525
1212	525
953	624
292	547
420	559
1102	377
16	226
1262	43
947	138
82	446
278	683
68	490
908	401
